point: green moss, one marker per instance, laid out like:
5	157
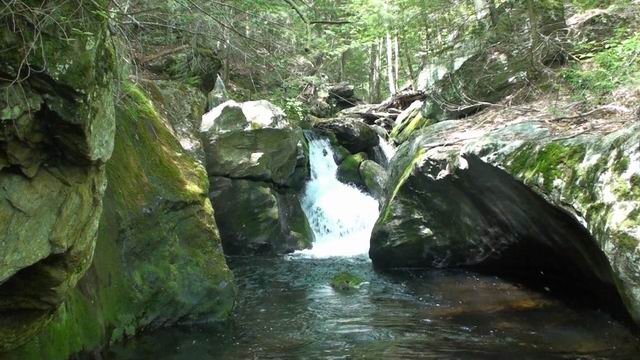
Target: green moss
555	160
157	257
408	170
348	170
404	131
625	242
161	168
346	281
621	163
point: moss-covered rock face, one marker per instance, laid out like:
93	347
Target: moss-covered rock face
158	259
348	171
257	163
517	200
374	177
255	218
56	131
182	105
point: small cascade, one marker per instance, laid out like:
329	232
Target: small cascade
340	215
388	149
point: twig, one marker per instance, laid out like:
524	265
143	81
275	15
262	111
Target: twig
610	107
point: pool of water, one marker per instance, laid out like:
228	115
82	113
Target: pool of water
288	310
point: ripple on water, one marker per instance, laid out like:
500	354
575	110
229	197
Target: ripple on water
287	310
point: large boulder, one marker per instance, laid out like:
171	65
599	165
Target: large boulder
56	131
254	218
257	163
559	210
253	140
158	258
354	135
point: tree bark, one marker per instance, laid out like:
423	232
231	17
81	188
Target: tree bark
390	78
396	54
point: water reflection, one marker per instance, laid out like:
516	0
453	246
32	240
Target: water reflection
287	310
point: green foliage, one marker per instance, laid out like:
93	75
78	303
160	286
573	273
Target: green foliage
616	64
592	4
295	109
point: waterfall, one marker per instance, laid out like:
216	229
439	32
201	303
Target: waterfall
387	148
340	215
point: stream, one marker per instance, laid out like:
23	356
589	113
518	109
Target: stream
287	308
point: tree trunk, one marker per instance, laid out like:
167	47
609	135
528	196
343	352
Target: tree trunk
390	78
379	71
396	54
412	76
374	74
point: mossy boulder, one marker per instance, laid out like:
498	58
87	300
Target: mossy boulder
188	64
346	281
255	218
557	211
254	140
354	135
374	177
257	163
183	106
348	171
158	258
476	71
56	131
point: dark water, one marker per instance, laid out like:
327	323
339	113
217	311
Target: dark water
288	310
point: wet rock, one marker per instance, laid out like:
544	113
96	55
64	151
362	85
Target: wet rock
254	218
556	211
348	171
354	135
257	163
374	177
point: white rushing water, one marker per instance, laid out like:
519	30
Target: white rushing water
340	215
387	148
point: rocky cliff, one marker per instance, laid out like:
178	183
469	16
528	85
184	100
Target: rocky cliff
103	232
527	198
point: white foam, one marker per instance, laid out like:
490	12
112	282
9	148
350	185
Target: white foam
340	215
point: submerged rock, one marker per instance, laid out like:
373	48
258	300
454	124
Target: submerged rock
346	281
257	163
561	212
